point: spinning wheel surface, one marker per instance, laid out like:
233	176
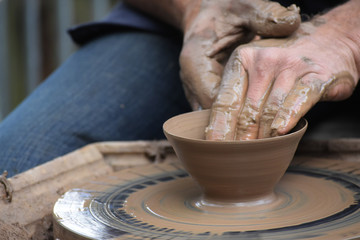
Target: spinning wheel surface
314	200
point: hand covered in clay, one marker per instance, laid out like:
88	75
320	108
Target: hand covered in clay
268	85
213	29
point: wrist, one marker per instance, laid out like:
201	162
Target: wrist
344	23
189	10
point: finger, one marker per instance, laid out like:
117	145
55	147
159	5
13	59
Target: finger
281	88
273	20
306	93
302	97
339	87
230	41
260	84
229	102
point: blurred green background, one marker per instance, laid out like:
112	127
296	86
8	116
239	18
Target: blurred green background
33	41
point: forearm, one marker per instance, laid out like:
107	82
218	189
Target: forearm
345	22
173	12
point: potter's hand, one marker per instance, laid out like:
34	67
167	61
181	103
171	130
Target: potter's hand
212	30
270	84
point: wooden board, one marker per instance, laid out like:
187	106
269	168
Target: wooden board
34	192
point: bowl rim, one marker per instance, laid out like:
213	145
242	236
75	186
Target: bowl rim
251	141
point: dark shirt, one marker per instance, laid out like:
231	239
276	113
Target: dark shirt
123	17
311	7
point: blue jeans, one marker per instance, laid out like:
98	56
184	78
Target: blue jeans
122	86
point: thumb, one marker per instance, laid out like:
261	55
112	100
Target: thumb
200	74
270	19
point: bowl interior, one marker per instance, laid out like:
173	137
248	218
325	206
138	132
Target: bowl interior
191	126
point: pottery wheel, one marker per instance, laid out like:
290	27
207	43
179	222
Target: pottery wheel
317	199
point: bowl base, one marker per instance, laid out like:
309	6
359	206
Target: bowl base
206	202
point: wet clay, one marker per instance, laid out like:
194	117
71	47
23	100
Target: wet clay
234	172
216	30
316	199
281	22
233	115
307	94
241	113
179	200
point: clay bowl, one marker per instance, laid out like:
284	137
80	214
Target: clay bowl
231	172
